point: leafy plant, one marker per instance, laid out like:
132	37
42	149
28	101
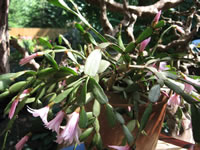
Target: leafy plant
141	74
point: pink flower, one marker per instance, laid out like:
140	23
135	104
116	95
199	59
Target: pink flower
55	123
188	87
144	44
21	143
174	100
120	147
27	59
162	66
164	93
179	29
42	113
157	17
70	131
16	101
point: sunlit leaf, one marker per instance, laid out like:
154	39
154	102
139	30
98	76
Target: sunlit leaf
93	62
104	64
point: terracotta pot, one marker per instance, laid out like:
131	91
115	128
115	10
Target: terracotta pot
115	135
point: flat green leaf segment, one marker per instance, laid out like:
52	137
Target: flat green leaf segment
154	93
98	91
93	62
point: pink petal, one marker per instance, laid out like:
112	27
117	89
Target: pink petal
70	131
179	29
27	59
165	93
24	94
42	113
144	44
188	87
13	107
162	66
174	100
157	17
54	124
21	143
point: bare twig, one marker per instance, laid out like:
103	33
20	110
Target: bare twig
107	26
130	27
181	44
130	12
141	11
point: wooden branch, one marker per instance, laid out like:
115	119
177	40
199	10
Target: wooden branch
182	43
170	21
128	22
130	12
132	19
107	26
33	64
130	27
140	11
197	3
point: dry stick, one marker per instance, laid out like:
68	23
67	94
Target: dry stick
131	13
181	44
132	20
130	27
138	10
107	26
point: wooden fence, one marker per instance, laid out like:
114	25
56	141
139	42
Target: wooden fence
52	33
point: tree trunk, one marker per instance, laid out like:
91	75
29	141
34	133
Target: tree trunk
4	37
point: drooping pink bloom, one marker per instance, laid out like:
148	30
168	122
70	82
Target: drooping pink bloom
144	43
157	17
188	87
162	66
174	100
21	143
54	124
70	131
179	29
164	93
42	113
120	147
16	101
27	59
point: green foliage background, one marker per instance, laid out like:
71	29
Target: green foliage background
36	13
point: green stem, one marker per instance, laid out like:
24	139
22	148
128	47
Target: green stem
4	141
151	69
160	39
64	50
